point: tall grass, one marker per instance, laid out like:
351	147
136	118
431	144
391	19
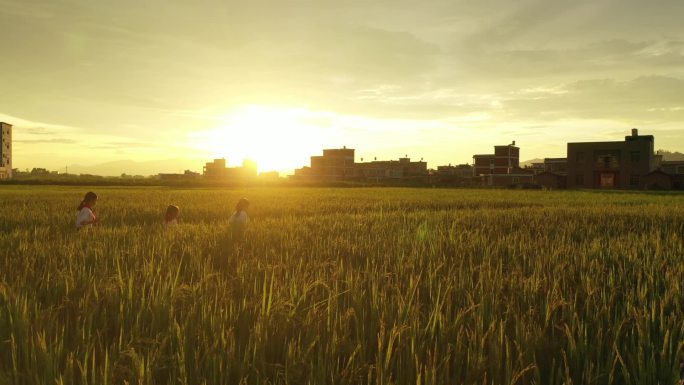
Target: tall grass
357	286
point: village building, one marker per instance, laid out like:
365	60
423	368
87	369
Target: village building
460	171
557	165
611	165
340	164
5	150
536	167
302	173
658	180
269	176
552	173
217	170
551	180
334	164
672	167
669	175
187	175
502	168
501	162
391	169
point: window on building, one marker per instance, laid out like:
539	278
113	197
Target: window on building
634	180
579	180
606	162
579	157
635	156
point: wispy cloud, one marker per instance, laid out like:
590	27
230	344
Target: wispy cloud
121	145
53	140
649	100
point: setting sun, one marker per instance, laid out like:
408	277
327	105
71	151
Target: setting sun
275	138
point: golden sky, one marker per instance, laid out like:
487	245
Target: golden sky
91	82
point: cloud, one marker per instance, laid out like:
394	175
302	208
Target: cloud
515	21
39	131
610	57
26	9
22	126
121	145
53	141
648	99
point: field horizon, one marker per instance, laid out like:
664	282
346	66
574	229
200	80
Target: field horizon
343	286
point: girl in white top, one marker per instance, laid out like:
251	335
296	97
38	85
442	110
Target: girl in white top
238	222
86	216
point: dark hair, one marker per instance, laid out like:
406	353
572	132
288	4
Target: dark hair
241	205
171	213
89	197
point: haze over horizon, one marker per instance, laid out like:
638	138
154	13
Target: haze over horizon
91	82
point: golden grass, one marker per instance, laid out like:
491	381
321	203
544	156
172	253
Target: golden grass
343	286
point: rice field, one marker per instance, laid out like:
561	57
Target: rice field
343	286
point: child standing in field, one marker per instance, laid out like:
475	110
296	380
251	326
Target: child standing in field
171	217
86	216
238	222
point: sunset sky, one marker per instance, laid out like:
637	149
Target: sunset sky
90	82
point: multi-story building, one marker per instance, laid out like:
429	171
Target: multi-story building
5	150
501	162
392	169
557	165
611	165
335	164
218	170
502	168
461	171
339	164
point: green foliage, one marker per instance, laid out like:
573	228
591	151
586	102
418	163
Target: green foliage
353	286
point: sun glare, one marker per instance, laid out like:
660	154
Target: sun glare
276	138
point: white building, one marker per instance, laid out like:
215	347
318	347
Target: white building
5	150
